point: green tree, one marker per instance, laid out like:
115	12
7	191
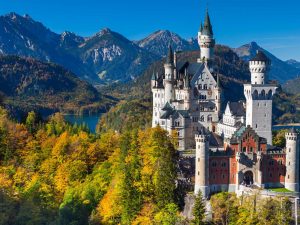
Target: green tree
165	175
279	138
168	215
284	212
31	121
268	212
224	208
130	195
199	209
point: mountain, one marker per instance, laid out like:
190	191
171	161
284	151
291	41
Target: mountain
280	70
113	57
292	86
22	36
45	87
293	63
103	58
158	42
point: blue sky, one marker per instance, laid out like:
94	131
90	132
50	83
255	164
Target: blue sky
274	24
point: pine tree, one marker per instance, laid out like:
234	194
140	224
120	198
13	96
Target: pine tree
199	209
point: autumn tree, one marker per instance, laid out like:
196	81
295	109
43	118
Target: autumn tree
31	121
199	209
224	208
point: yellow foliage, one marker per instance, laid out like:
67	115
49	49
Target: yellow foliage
145	217
109	207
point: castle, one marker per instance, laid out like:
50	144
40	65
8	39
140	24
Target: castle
231	149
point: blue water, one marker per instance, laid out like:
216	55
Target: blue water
90	120
285	127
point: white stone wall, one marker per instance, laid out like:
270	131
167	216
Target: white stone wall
292	162
158	103
259	109
207	47
225	130
202	165
258	71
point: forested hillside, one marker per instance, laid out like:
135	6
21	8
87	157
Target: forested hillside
55	173
28	84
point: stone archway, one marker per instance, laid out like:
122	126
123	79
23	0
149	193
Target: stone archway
248	178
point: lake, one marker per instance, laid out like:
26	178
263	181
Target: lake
90	120
281	127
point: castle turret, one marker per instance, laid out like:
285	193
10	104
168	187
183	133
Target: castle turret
202	164
259	66
206	40
187	91
218	93
292	161
259	97
153	80
169	76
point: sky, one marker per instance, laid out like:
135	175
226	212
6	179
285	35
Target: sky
273	24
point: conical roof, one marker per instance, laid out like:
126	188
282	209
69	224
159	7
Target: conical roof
260	56
293	130
170	57
207	29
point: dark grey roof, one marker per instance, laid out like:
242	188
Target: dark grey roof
237	108
201	27
215	140
207	104
260	56
181	65
184	113
175	113
167	107
207	29
153	76
170	57
293	130
193	68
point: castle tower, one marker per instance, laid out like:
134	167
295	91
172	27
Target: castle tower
187	91
259	96
202	164
206	40
169	76
292	161
218	92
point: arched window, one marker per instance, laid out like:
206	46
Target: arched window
200	86
270	94
205	86
209	118
255	94
263	94
202	118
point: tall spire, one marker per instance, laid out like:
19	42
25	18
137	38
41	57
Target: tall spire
207	30
201	27
170	57
218	81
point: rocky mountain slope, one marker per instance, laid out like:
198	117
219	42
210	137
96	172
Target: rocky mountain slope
105	57
158	42
292	86
293	63
45	87
280	70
